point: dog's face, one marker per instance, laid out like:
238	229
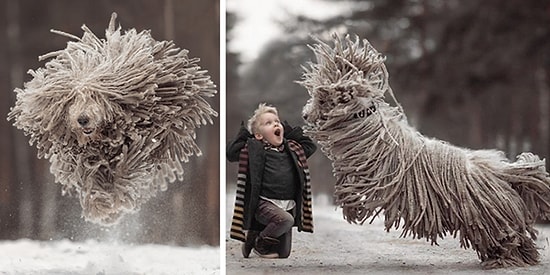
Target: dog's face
322	103
348	80
339	103
85	117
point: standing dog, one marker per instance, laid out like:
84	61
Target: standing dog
426	186
116	117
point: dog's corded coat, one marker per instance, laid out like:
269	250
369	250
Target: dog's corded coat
427	187
116	117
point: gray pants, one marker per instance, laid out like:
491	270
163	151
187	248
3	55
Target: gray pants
278	224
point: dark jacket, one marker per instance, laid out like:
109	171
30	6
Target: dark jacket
256	161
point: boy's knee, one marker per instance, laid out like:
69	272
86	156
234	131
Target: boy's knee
287	220
284	221
285	245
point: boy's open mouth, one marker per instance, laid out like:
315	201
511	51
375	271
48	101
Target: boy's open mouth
277	132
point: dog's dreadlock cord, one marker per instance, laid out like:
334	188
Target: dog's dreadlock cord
425	186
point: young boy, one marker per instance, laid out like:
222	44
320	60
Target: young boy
273	189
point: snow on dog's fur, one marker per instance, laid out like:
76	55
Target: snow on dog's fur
116	117
427	187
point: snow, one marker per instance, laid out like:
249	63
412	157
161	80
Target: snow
25	256
337	247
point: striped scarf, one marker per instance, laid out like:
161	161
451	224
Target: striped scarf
237	231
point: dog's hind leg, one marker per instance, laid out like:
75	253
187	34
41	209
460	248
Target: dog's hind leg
529	178
519	250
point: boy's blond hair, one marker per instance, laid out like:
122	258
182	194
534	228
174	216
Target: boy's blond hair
262	109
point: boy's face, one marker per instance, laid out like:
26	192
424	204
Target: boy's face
270	129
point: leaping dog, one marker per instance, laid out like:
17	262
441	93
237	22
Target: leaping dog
116	117
426	186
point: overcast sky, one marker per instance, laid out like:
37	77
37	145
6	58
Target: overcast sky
256	23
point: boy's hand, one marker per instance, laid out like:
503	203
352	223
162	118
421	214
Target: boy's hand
294	133
287	128
243	134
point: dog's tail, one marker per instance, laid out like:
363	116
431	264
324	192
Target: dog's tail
529	178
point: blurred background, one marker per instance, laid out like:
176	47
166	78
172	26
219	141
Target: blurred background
473	73
31	205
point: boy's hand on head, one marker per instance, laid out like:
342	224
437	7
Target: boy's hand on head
294	133
243	134
287	128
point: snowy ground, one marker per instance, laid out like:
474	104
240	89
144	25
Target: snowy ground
101	258
337	247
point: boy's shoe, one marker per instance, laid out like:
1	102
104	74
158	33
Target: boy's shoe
264	245
249	243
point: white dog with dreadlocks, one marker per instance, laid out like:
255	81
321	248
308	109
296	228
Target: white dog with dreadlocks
116	117
428	186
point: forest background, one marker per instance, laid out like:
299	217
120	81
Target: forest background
473	73
31	205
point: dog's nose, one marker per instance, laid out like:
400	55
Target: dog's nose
83	120
304	116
